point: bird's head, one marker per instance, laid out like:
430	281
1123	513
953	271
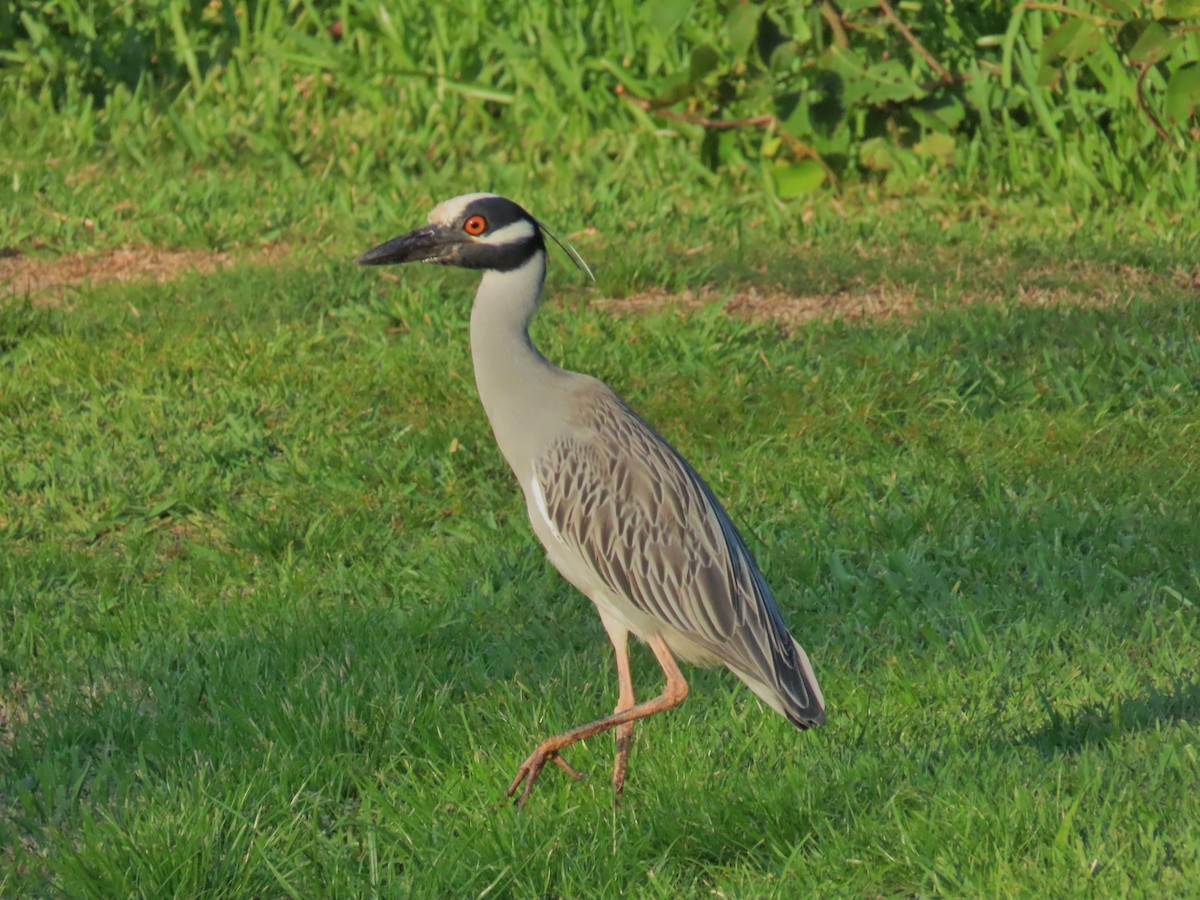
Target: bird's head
474	231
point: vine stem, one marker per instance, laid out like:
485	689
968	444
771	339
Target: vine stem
765	121
753	122
907	34
1143	70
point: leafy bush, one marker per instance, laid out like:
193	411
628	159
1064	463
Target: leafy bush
1097	98
1102	92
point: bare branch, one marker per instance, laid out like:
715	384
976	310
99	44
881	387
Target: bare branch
719	124
799	149
916	45
834	21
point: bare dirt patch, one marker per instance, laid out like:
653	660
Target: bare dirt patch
12	712
764	303
1093	286
47	282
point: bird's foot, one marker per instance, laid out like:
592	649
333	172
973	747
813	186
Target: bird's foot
532	767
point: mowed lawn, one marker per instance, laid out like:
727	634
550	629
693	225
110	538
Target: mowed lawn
273	624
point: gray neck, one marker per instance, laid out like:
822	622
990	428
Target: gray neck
520	389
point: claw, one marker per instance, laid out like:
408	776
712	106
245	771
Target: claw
622	720
532	768
566	767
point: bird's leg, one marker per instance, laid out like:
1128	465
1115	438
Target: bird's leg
673	694
625	700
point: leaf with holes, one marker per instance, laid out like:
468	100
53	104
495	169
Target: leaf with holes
871	82
944	113
893	83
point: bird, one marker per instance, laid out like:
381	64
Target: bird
621	514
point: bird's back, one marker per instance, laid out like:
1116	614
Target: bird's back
628	521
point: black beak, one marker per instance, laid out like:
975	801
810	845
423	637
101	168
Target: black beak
428	244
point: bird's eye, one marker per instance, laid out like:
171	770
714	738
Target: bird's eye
475	226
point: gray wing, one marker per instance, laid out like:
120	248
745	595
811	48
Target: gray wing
653	533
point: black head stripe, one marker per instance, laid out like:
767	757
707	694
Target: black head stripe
502	258
498	211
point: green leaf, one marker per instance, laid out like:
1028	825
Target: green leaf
704	60
1084	42
1048	74
1129	33
783	57
668	15
676	88
1058	38
876	154
798	124
1182	99
890	81
871	82
742	26
943	113
1124	7
769	37
1155	44
1182	9
800	32
1071	40
802	178
939	145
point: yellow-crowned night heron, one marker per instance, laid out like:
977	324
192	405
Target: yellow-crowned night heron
622	515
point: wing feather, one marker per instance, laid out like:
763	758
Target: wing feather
634	511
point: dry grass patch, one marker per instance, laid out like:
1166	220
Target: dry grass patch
1092	286
777	304
47	282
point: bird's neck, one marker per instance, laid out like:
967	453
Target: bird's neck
515	381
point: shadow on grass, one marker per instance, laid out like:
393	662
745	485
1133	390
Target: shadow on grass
1097	723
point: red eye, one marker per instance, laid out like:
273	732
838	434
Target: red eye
475	226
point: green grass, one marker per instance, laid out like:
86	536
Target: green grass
272	622
229	124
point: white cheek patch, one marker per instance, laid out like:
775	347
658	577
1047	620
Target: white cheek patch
539	500
520	230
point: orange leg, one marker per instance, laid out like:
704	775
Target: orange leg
673	694
625	700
